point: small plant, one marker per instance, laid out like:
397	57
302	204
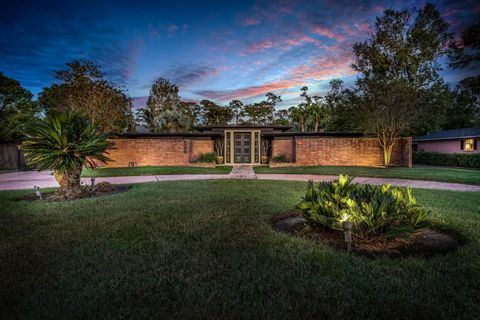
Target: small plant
219	147
208	157
374	211
280	158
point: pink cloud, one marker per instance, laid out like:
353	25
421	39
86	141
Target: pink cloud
247	92
261	45
329	33
250	21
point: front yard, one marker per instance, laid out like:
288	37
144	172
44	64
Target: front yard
443	174
153	170
205	249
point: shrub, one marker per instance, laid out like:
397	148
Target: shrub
207	157
280	158
471	160
64	143
374	211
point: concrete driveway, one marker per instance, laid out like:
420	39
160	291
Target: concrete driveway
44	179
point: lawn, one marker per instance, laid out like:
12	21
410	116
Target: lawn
205	249
153	170
444	174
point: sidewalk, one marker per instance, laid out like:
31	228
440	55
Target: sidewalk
43	179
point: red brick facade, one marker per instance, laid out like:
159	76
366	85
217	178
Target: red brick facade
349	152
300	150
282	146
157	152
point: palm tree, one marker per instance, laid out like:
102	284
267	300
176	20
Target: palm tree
299	115
64	143
170	121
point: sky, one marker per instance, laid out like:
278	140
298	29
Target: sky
216	50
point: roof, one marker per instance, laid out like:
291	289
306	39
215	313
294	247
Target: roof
313	134
164	134
244	126
451	134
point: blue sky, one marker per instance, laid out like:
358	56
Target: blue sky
217	50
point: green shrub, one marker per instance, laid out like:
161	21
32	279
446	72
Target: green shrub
207	157
374	211
471	160
280	158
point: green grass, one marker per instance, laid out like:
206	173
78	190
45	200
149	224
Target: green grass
152	170
205	249
443	174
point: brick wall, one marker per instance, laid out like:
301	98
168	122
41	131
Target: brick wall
349	151
282	146
149	152
200	146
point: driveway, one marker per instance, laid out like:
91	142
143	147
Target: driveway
44	179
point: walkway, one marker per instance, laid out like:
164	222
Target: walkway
29	179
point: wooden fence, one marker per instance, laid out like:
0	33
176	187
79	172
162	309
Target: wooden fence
11	157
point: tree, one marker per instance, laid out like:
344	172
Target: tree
83	89
400	73
263	112
215	114
465	110
299	115
317	112
164	108
64	143
237	110
16	107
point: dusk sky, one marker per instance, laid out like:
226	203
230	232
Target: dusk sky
217	50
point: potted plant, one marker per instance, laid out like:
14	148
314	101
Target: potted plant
219	150
264	156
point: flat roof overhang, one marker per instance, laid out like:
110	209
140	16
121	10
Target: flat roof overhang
449	138
246	126
314	134
133	135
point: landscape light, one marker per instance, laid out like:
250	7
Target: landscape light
347	230
37	192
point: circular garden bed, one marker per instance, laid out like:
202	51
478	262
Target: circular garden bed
425	242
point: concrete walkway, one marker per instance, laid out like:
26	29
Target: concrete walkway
43	179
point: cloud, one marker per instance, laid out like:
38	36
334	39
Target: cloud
247	92
249	21
260	45
187	74
172	28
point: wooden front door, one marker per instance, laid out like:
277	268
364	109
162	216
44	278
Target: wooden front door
243	145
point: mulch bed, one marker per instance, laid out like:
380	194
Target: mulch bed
92	193
426	242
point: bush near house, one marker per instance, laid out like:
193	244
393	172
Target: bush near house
447	159
376	212
280	158
208	157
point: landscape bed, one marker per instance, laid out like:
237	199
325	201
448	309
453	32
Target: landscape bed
206	249
430	173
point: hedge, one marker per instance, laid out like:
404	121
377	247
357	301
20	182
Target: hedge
447	159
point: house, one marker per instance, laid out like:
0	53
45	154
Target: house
449	141
245	144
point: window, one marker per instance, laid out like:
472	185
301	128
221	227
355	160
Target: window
468	144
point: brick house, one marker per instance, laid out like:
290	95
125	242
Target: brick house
449	141
247	144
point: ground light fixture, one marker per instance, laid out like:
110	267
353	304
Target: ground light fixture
92	180
347	231
37	192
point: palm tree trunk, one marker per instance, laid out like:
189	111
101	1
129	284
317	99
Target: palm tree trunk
68	180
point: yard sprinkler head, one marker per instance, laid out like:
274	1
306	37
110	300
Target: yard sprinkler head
37	192
347	231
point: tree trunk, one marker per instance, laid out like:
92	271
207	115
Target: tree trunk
387	145
302	125
316	126
68	180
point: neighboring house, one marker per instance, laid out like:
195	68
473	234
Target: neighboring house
449	141
247	144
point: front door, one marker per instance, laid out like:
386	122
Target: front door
243	144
